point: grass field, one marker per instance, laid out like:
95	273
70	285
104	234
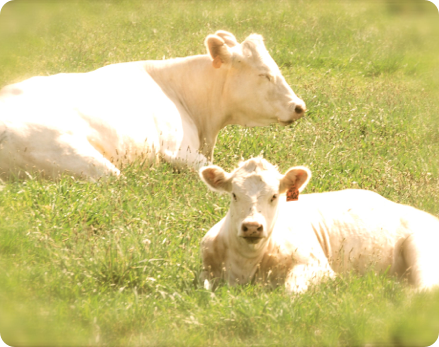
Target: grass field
117	262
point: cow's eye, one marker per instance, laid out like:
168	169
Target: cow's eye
267	76
234	196
274	197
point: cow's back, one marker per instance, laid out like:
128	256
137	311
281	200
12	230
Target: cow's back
359	230
116	112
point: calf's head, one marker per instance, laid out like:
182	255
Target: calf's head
254	188
255	90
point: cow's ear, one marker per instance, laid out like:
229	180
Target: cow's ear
296	177
216	178
229	38
218	50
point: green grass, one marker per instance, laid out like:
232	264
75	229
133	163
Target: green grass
117	262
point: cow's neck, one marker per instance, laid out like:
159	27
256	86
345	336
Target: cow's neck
193	83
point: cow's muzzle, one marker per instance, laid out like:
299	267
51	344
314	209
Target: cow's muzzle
285	123
252	232
297	110
300	109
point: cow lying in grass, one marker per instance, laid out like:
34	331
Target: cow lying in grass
265	238
88	124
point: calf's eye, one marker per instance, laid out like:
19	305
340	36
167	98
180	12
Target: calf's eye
234	196
274	197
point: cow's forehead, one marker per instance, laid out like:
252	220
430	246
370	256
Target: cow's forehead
258	184
256	176
254	49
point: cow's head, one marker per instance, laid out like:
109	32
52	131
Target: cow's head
256	92
254	188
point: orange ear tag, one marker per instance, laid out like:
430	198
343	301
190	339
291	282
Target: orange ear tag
217	62
292	194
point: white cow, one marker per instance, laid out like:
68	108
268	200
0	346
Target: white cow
265	238
89	124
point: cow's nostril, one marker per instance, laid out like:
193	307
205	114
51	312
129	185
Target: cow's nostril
244	228
260	228
299	109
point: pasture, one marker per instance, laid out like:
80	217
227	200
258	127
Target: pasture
117	262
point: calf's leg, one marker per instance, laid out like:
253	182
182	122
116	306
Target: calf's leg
422	259
303	275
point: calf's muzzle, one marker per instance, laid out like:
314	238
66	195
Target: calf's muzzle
252	232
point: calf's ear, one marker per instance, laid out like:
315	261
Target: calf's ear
295	178
216	178
218	50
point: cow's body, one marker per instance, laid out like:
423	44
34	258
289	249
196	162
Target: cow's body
326	233
90	123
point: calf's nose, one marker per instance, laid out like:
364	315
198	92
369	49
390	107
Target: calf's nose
252	229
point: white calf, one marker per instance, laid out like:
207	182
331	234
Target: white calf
265	238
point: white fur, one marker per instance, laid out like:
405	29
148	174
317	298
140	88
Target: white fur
90	123
317	236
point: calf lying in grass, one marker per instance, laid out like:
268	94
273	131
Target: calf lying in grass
299	242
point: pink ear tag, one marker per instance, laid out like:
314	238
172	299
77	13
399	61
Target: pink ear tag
292	194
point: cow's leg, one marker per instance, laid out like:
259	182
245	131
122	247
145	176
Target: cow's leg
303	275
66	153
422	260
185	157
78	157
50	153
